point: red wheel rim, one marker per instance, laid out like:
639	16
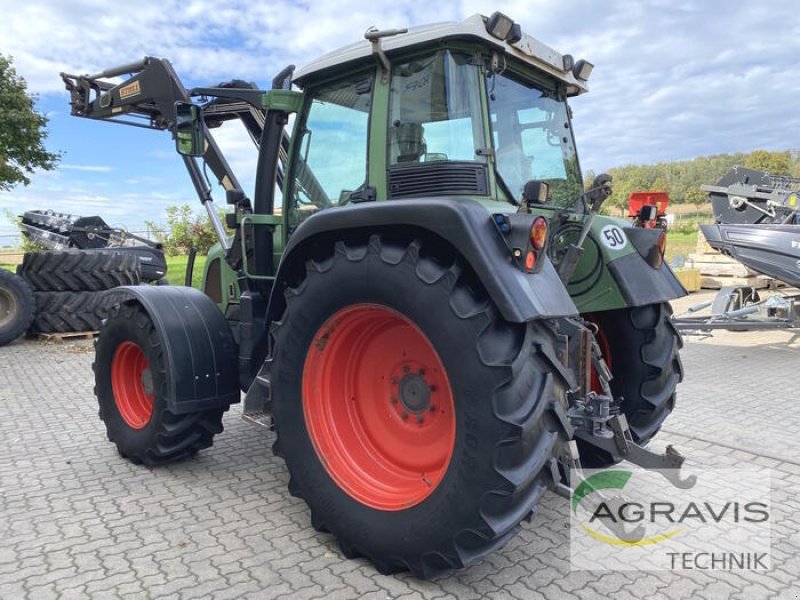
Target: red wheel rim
132	384
605	348
378	407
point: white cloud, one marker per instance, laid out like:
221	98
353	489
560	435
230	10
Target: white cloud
86	168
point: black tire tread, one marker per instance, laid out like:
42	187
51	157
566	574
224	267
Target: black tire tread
660	354
80	271
652	364
523	400
179	436
26	308
65	312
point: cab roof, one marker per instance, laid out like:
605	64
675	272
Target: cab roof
527	49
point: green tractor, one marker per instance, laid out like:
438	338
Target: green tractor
420	298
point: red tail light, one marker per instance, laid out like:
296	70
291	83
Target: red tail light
539	233
530	260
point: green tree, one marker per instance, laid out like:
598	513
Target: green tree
777	163
22	131
185	230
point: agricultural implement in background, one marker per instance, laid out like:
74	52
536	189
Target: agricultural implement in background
61	289
746	196
648	209
59	231
420	298
758	224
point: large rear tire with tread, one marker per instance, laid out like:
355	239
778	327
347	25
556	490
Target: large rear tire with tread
130	385
17	306
80	271
416	423
642	349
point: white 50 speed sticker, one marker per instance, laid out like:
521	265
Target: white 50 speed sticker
613	237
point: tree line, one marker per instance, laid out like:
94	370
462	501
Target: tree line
682	179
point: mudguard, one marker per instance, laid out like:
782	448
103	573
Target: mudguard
619	267
465	225
199	348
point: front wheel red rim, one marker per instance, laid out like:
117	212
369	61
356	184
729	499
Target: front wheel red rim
378	407
132	383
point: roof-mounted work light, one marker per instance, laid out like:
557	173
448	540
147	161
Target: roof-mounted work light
582	69
503	28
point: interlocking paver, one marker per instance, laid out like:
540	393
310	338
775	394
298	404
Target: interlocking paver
77	521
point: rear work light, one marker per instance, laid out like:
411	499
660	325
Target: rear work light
539	233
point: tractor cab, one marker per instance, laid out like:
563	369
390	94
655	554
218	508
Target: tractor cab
474	109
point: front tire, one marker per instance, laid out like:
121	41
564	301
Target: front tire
415	422
641	347
130	385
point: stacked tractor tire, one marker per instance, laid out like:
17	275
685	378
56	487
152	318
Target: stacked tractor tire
69	289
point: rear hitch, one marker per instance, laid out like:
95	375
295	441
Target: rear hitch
618	442
597	419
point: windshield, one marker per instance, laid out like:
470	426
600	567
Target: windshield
533	139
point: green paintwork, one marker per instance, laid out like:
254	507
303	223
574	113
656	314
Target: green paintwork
286	100
228	281
378	126
592	287
604	294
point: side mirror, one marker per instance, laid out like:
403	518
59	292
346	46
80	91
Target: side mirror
536	192
189	135
600	190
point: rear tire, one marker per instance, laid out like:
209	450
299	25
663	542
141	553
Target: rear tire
80	271
130	385
491	443
17	306
645	363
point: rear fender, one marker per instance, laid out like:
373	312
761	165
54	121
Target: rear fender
199	349
463	224
618	269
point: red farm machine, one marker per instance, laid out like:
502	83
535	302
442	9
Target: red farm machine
648	209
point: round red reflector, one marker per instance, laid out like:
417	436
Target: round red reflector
539	233
530	261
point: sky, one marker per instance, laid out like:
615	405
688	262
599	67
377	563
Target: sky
672	80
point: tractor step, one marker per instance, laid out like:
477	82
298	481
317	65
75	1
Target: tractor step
259	417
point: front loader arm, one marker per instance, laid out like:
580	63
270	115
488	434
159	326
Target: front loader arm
145	99
149	93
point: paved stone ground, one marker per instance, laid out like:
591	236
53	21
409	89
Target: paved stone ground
77	521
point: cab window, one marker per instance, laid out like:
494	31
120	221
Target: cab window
331	164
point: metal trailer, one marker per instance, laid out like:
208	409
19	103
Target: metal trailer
741	308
